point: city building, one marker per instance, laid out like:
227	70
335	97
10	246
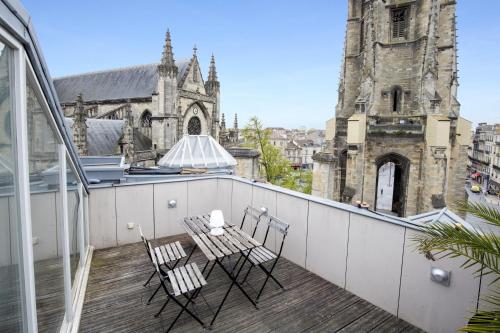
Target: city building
279	139
495	172
159	103
72	259
397	103
484	166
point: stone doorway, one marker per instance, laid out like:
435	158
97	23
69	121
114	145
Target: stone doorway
392	183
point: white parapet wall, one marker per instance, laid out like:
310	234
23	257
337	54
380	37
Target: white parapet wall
369	255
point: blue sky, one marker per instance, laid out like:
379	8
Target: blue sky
278	60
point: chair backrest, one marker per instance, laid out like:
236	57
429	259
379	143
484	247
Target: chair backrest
279	226
145	241
254	213
154	260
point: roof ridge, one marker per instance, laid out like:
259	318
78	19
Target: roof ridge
105	71
117	69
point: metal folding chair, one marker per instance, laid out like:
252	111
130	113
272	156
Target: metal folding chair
262	254
166	255
184	280
254	213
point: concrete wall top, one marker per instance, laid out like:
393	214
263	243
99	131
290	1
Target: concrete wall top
335	204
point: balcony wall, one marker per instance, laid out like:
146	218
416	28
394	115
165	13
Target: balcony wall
369	255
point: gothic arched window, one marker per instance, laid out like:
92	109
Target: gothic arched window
146	119
396	95
194	126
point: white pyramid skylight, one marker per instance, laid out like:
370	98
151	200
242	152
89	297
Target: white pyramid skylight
197	151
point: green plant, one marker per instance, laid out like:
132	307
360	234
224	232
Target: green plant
480	249
274	165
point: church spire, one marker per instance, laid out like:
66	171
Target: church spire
223	122
79	127
167	66
212	73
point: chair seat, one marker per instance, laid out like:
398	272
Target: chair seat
260	255
169	252
185	279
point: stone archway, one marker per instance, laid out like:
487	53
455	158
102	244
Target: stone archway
392	183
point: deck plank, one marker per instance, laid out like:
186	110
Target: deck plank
116	300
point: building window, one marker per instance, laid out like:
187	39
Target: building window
194	126
399	18
146	119
360	107
396	95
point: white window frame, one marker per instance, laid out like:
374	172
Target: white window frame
18	95
63	209
22	73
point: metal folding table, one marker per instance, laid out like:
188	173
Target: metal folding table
216	248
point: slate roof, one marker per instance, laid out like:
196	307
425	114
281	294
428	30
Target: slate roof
141	142
121	83
103	135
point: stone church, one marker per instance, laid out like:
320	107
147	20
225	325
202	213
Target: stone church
397	105
152	106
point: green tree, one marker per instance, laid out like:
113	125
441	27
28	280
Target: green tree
275	166
480	249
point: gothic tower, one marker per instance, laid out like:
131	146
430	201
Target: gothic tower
80	127
165	119
212	87
397	118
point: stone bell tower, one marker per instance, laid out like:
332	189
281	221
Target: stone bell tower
397	110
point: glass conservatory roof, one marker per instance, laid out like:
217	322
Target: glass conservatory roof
197	151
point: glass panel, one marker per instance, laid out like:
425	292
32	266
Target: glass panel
44	167
11	304
74	202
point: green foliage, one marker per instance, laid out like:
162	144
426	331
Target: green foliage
276	168
297	180
480	249
274	164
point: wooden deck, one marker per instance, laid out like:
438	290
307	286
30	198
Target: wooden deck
115	300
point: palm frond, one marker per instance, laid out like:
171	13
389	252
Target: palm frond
488	214
480	249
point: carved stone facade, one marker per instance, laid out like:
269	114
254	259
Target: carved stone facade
164	102
397	103
229	137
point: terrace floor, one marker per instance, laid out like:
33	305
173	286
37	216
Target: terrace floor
115	300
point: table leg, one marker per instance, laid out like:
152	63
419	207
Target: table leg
233	282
